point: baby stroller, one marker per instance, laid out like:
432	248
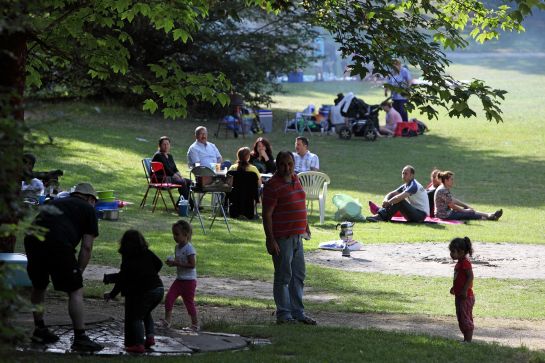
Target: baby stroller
363	118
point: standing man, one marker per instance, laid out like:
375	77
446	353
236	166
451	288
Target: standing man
304	159
400	78
202	151
69	221
285	223
411	199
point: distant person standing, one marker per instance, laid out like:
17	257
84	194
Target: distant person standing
69	221
462	285
401	78
185	261
304	159
285	223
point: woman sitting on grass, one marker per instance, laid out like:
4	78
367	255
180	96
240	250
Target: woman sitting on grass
448	207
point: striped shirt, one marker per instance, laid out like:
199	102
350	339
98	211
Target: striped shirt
287	199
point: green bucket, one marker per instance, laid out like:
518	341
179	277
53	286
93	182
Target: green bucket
106	195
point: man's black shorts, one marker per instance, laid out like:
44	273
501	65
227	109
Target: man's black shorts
47	259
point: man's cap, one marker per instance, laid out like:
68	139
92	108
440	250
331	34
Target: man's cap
84	188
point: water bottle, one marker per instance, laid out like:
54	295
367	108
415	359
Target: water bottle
183	207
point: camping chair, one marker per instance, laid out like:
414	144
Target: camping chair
198	191
245	194
159	184
315	185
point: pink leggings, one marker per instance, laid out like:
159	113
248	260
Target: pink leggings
185	289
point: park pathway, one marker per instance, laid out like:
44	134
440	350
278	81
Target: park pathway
510	332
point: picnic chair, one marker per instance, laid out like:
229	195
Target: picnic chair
217	191
315	185
158	183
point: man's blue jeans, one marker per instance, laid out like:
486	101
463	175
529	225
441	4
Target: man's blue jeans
409	212
289	277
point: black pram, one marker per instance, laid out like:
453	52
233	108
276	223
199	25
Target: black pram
363	118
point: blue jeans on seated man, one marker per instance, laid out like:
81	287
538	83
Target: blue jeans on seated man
289	277
410	213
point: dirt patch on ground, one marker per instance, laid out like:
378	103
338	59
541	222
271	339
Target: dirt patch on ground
497	260
490	260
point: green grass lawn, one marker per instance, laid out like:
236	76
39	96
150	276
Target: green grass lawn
496	166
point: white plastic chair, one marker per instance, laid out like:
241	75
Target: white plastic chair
315	185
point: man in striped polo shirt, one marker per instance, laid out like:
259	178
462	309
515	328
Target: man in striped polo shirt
285	223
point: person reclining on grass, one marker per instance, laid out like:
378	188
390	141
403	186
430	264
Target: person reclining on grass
448	207
410	199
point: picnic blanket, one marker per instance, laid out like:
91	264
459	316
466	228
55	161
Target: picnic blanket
399	218
338	245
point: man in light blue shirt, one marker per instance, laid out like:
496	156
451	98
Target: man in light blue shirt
201	151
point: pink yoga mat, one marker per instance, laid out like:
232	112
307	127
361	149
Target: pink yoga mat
399	218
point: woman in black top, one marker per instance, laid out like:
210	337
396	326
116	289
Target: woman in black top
262	156
171	173
138	280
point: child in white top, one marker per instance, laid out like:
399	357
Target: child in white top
186	275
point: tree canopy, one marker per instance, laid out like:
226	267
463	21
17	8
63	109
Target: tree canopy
95	39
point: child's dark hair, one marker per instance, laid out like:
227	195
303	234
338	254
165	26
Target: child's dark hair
461	244
182	226
132	243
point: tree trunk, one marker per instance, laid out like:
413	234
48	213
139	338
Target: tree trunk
13	53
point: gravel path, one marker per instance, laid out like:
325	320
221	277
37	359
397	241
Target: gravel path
491	260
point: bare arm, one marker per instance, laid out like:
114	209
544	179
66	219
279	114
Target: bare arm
460	203
85	251
394	198
469	281
272	246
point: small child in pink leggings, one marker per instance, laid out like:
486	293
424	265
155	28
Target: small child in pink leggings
186	276
462	286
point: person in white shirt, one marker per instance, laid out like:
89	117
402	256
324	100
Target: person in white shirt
410	199
304	159
202	151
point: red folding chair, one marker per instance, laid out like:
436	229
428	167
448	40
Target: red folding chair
158	183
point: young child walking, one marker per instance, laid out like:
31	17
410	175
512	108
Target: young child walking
462	287
186	274
138	280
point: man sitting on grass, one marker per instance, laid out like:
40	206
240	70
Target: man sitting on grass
410	199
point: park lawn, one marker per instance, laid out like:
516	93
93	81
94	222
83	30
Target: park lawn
496	166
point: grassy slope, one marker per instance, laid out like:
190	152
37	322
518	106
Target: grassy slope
497	166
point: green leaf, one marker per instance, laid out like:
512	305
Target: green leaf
150	105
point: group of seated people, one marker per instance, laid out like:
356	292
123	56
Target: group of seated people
38	183
259	159
415	203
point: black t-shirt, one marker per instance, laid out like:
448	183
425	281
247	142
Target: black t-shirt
138	274
168	164
68	219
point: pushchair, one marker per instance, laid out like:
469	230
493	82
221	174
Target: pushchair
362	118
